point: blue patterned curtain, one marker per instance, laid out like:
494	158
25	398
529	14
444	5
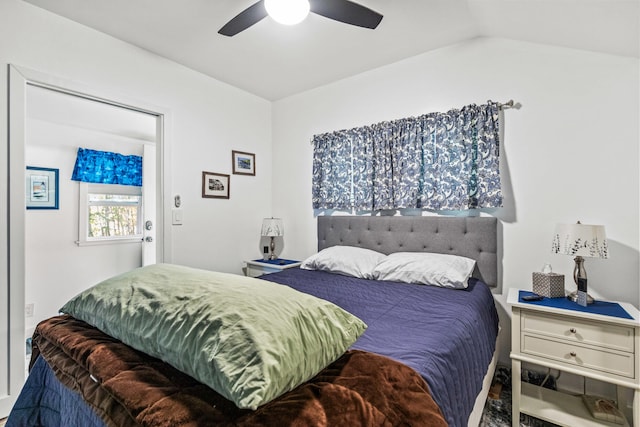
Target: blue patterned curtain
332	171
438	161
104	167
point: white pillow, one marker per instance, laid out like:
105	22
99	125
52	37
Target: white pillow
347	260
450	271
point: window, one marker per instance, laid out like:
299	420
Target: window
110	213
436	161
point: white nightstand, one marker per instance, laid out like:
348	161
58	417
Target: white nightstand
605	348
259	267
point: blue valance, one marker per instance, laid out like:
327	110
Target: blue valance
437	161
103	167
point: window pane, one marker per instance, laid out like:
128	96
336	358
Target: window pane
113	221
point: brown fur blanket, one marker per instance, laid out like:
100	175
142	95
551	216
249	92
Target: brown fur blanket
129	388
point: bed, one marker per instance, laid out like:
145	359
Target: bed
425	358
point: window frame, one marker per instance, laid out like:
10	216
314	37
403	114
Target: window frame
83	219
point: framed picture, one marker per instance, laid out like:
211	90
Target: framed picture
42	188
215	185
243	163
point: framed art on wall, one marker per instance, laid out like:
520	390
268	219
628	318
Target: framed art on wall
41	188
243	163
215	185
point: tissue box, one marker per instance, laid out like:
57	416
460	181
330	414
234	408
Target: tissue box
548	284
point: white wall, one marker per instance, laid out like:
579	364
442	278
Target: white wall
569	153
208	120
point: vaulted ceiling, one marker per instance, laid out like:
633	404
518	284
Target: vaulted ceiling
274	61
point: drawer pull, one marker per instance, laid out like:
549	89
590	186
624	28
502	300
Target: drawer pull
573	354
573	330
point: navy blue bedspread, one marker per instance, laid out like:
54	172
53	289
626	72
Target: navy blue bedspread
46	402
447	335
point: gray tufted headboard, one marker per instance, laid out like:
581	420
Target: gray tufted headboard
472	237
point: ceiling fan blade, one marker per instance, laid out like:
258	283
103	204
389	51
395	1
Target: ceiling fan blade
346	11
251	15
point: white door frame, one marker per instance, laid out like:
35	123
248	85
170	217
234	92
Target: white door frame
12	264
149	193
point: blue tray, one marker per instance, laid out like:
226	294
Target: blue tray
598	307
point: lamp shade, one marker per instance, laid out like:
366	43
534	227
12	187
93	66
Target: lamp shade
272	227
580	240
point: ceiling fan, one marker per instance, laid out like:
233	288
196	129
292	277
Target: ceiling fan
339	10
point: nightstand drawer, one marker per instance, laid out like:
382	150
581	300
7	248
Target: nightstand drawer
581	331
618	363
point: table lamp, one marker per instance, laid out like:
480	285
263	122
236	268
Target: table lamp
580	240
272	227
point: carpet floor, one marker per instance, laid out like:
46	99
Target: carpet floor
497	411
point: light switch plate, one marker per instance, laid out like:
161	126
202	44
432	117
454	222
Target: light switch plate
176	215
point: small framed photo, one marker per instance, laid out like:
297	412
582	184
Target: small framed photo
215	185
243	163
42	188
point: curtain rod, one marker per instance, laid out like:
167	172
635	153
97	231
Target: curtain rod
506	105
501	105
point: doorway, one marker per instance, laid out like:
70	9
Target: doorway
97	230
46	264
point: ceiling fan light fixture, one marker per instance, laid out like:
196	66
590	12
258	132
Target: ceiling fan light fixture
287	12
